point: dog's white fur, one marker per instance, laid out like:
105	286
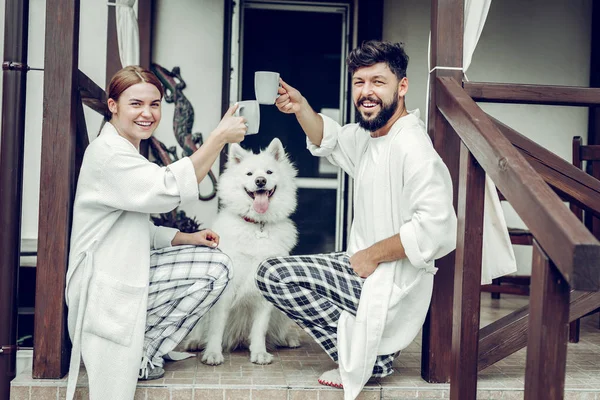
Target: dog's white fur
242	317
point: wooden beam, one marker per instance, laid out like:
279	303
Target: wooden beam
508	335
532	94
571	183
467	278
570	245
91	94
57	188
548	326
447	19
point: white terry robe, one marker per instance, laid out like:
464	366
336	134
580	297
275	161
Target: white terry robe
109	261
401	187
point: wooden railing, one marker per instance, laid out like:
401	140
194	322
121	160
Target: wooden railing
566	255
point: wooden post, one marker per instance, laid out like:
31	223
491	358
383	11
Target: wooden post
57	187
576	157
467	279
228	6
145	23
113	62
593	222
12	148
447	18
548	323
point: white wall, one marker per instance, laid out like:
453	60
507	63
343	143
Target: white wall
537	41
189	34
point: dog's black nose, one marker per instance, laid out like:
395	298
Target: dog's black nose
260	181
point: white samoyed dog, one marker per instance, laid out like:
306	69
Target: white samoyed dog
257	194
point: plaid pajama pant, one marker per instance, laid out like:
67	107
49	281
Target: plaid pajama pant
185	282
313	291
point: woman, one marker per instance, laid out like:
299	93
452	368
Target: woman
135	290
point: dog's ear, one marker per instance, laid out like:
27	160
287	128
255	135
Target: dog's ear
236	154
276	150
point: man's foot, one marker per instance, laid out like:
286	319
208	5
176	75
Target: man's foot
332	378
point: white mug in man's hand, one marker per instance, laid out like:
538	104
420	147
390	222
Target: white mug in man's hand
266	85
250	110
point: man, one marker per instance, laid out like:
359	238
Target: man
365	305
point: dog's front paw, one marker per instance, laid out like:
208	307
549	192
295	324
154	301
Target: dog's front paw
212	358
261	357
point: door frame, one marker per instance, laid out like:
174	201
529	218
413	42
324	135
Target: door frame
364	22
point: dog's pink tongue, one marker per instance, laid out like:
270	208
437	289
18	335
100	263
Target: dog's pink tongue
261	203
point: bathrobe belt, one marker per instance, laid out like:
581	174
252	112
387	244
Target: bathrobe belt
75	362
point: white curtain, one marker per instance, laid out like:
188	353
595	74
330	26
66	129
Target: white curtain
498	256
127	33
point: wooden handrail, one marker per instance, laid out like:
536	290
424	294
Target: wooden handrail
570	182
568	243
92	95
508	334
533	94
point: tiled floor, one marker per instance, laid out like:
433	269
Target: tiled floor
294	372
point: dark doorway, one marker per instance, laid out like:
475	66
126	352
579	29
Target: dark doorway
306	44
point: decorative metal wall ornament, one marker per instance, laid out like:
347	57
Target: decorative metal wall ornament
183	121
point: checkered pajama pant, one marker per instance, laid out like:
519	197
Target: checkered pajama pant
185	282
313	291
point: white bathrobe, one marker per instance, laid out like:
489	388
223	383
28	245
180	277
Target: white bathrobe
109	261
402	187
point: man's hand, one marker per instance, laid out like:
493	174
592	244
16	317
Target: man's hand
363	263
290	100
204	237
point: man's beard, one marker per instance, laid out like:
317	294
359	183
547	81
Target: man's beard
382	118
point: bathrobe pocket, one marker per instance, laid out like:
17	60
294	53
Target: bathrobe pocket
113	309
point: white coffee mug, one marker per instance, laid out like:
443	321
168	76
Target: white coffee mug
266	84
250	110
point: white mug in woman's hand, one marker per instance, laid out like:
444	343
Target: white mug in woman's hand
250	110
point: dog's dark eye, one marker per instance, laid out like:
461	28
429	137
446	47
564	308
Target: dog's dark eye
249	173
269	172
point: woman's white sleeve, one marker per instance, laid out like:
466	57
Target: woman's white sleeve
130	182
161	236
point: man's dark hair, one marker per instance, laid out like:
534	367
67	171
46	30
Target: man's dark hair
373	51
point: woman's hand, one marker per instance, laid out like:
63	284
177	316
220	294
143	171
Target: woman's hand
205	237
232	128
290	101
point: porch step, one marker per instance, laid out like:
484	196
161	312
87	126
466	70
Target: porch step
294	372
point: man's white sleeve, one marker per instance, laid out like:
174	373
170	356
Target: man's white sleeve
431	231
338	145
